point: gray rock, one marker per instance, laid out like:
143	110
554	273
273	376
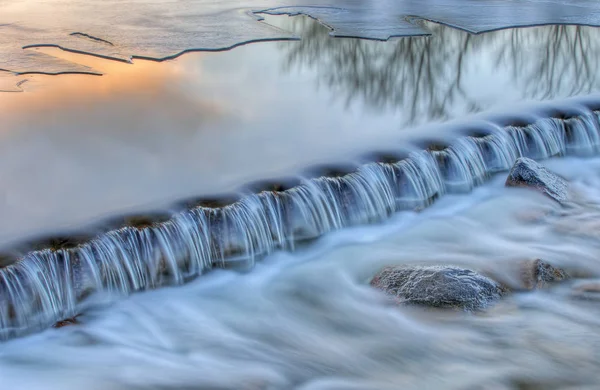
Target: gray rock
438	286
528	173
539	274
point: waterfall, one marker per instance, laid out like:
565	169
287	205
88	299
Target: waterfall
48	285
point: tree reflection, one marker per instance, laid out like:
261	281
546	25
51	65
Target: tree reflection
551	61
435	77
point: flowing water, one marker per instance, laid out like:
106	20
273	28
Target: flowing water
308	320
45	286
430	190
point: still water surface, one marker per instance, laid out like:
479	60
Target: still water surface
77	148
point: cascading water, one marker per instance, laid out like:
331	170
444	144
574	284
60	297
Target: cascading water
47	285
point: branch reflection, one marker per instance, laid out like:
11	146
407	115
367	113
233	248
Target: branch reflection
450	72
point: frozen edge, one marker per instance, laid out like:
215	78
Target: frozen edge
409	18
255	14
93	38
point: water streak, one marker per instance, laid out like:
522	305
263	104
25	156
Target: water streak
48	285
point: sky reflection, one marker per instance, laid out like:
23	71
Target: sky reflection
145	134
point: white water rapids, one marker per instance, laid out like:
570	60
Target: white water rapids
48	285
307	320
158	305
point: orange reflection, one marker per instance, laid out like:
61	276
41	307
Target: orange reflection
138	87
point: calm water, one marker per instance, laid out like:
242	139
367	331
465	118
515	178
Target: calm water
140	136
162	29
78	148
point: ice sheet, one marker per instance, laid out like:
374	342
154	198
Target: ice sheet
161	29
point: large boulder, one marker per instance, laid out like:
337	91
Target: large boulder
528	173
439	286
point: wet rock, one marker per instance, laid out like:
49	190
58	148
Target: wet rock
66	322
439	286
527	275
8	258
212	202
56	243
273	185
138	221
528	173
539	274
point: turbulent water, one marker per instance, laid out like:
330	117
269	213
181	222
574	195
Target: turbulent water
308	320
48	285
157	302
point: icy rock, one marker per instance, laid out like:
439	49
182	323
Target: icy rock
439	286
528	173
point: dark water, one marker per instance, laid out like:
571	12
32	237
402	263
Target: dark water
442	116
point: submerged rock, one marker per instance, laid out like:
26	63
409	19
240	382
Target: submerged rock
439	286
587	289
528	173
66	322
539	274
527	275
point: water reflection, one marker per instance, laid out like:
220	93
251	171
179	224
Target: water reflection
451	71
146	134
9	83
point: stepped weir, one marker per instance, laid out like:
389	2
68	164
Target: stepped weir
48	285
